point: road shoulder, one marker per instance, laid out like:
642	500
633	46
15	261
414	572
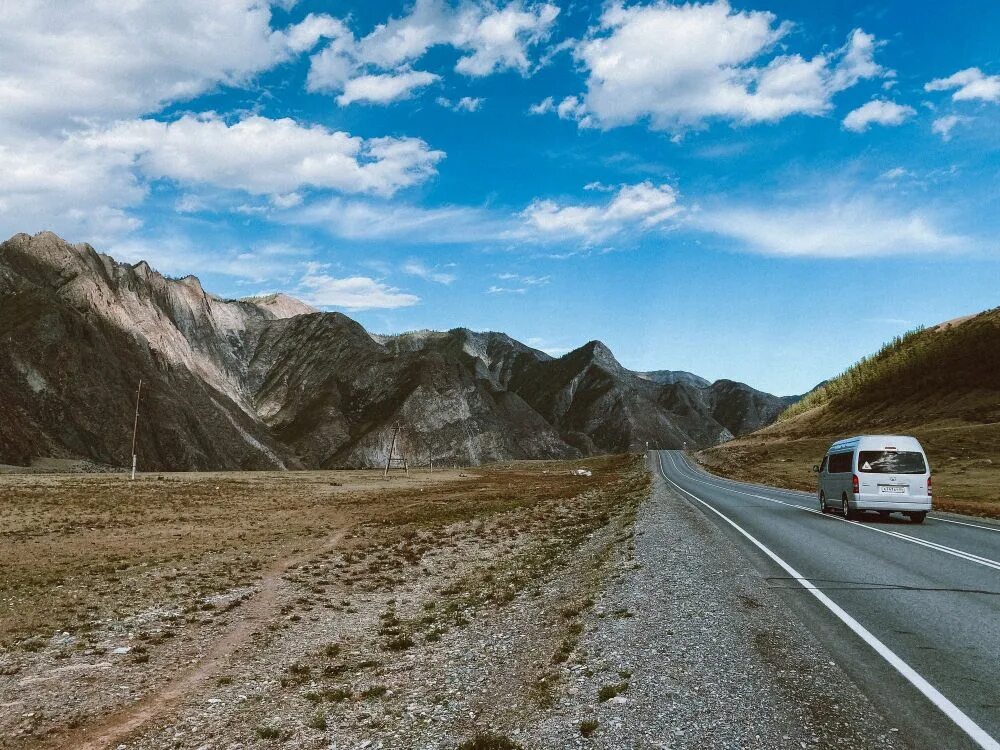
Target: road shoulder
712	657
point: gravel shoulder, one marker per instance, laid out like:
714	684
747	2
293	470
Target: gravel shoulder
706	655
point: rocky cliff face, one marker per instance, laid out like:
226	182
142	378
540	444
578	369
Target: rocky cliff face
271	383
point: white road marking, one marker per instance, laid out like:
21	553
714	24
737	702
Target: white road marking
949	709
963	523
954	552
801	493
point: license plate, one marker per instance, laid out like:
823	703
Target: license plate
891	490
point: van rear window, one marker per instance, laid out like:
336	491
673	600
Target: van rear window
891	462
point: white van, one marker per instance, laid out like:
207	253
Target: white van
884	473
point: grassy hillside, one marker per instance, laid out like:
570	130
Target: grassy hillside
940	384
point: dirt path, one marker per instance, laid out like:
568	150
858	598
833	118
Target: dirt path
161	701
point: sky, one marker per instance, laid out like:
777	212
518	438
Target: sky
763	191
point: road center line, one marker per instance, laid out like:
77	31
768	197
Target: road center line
800	493
963	523
961	554
953	712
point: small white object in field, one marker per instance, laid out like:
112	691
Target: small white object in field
583	472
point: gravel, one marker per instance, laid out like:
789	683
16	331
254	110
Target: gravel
652	632
711	657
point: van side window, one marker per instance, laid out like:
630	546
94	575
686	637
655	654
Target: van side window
822	466
840	463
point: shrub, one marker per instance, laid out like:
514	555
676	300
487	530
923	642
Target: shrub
489	741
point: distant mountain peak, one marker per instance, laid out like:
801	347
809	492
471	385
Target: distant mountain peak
280	305
267	381
599	352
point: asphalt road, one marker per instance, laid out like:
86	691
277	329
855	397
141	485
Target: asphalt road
912	612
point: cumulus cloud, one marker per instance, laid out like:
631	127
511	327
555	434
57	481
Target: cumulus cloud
680	66
490	38
385	87
852	228
83	184
77	157
880	112
499	40
320	289
60	64
66	187
969	84
642	206
264	156
943	126
465	104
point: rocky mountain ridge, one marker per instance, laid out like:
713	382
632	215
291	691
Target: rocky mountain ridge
269	382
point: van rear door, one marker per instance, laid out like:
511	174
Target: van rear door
894	473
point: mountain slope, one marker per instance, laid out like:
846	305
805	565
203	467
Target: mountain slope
939	384
268	382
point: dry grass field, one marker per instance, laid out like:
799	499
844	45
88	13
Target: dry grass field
191	610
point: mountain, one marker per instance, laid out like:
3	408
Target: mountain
269	382
669	377
939	384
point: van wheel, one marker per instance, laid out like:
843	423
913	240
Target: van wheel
822	504
918	517
850	515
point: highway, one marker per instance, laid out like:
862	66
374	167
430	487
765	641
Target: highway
911	612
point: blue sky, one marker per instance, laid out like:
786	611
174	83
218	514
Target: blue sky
763	191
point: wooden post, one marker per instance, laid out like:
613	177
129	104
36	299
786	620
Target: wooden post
135	426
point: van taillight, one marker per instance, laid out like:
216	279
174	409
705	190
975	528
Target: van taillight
857	484
928	486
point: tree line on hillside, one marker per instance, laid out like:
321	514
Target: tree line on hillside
920	363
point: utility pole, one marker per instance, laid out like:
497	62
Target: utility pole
135	426
394	461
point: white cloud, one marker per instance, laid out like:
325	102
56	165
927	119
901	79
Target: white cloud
679	66
878	111
62	64
500	39
491	38
969	84
546	346
894	174
527	280
180	255
370	220
642	206
851	228
351	293
505	290
543	107
943	126
65	187
385	87
465	104
422	271
264	156
83	184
